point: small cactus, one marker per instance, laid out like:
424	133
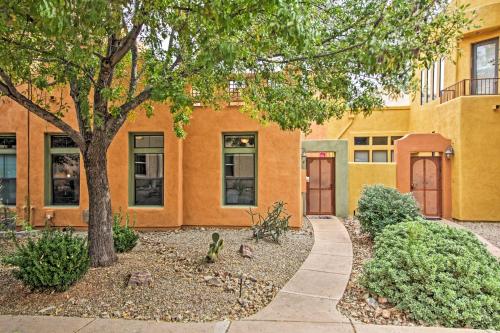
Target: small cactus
215	247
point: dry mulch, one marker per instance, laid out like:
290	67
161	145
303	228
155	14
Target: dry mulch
180	290
357	303
488	230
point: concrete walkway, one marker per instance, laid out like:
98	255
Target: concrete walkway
307	303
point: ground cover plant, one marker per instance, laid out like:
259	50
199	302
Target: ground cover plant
380	206
55	261
439	274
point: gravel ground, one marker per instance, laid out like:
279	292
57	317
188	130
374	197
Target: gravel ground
180	291
488	230
357	303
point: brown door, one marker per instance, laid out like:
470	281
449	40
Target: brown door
320	195
426	184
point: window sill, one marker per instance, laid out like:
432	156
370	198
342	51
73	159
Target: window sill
146	207
239	206
61	206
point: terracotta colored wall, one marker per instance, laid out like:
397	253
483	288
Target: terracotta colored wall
192	168
361	174
278	172
414	143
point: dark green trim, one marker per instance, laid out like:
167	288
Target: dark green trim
131	167
239	150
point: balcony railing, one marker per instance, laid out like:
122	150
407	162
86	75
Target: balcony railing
470	87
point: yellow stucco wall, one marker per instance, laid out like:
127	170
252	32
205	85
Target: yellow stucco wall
361	174
472	125
391	121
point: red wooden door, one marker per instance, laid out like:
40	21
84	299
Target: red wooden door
320	195
426	184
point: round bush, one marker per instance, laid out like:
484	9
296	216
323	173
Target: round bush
440	275
55	261
380	206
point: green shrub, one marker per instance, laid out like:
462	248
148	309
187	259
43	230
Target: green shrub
439	274
273	225
124	237
55	261
380	206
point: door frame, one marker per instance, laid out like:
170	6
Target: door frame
437	160
332	187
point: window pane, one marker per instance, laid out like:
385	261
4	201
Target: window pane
361	156
239	141
379	156
8	191
239	165
379	140
422	86
394	138
361	141
485	60
7	142
7	166
441	74
149	192
392	155
148	179
240	191
65	179
435	80
60	141
148	141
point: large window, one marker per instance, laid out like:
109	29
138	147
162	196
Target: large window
8	170
376	149
64	172
485	67
147	151
239	155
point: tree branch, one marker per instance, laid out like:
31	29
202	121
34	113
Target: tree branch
125	45
9	89
114	124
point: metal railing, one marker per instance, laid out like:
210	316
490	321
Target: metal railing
470	87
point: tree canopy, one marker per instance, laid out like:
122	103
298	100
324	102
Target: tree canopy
298	61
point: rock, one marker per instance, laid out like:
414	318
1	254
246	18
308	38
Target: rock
141	278
214	282
372	302
179	317
243	302
382	300
386	314
47	309
117	314
378	312
246	251
207	277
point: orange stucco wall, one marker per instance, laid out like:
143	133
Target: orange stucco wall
192	168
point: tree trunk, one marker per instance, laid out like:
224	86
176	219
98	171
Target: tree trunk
100	234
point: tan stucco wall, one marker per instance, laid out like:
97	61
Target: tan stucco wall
361	174
192	168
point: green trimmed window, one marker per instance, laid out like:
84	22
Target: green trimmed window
147	171
240	169
8	170
63	171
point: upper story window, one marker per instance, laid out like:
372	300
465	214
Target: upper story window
64	174
240	164
380	140
235	88
361	140
485	67
431	82
8	173
147	155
